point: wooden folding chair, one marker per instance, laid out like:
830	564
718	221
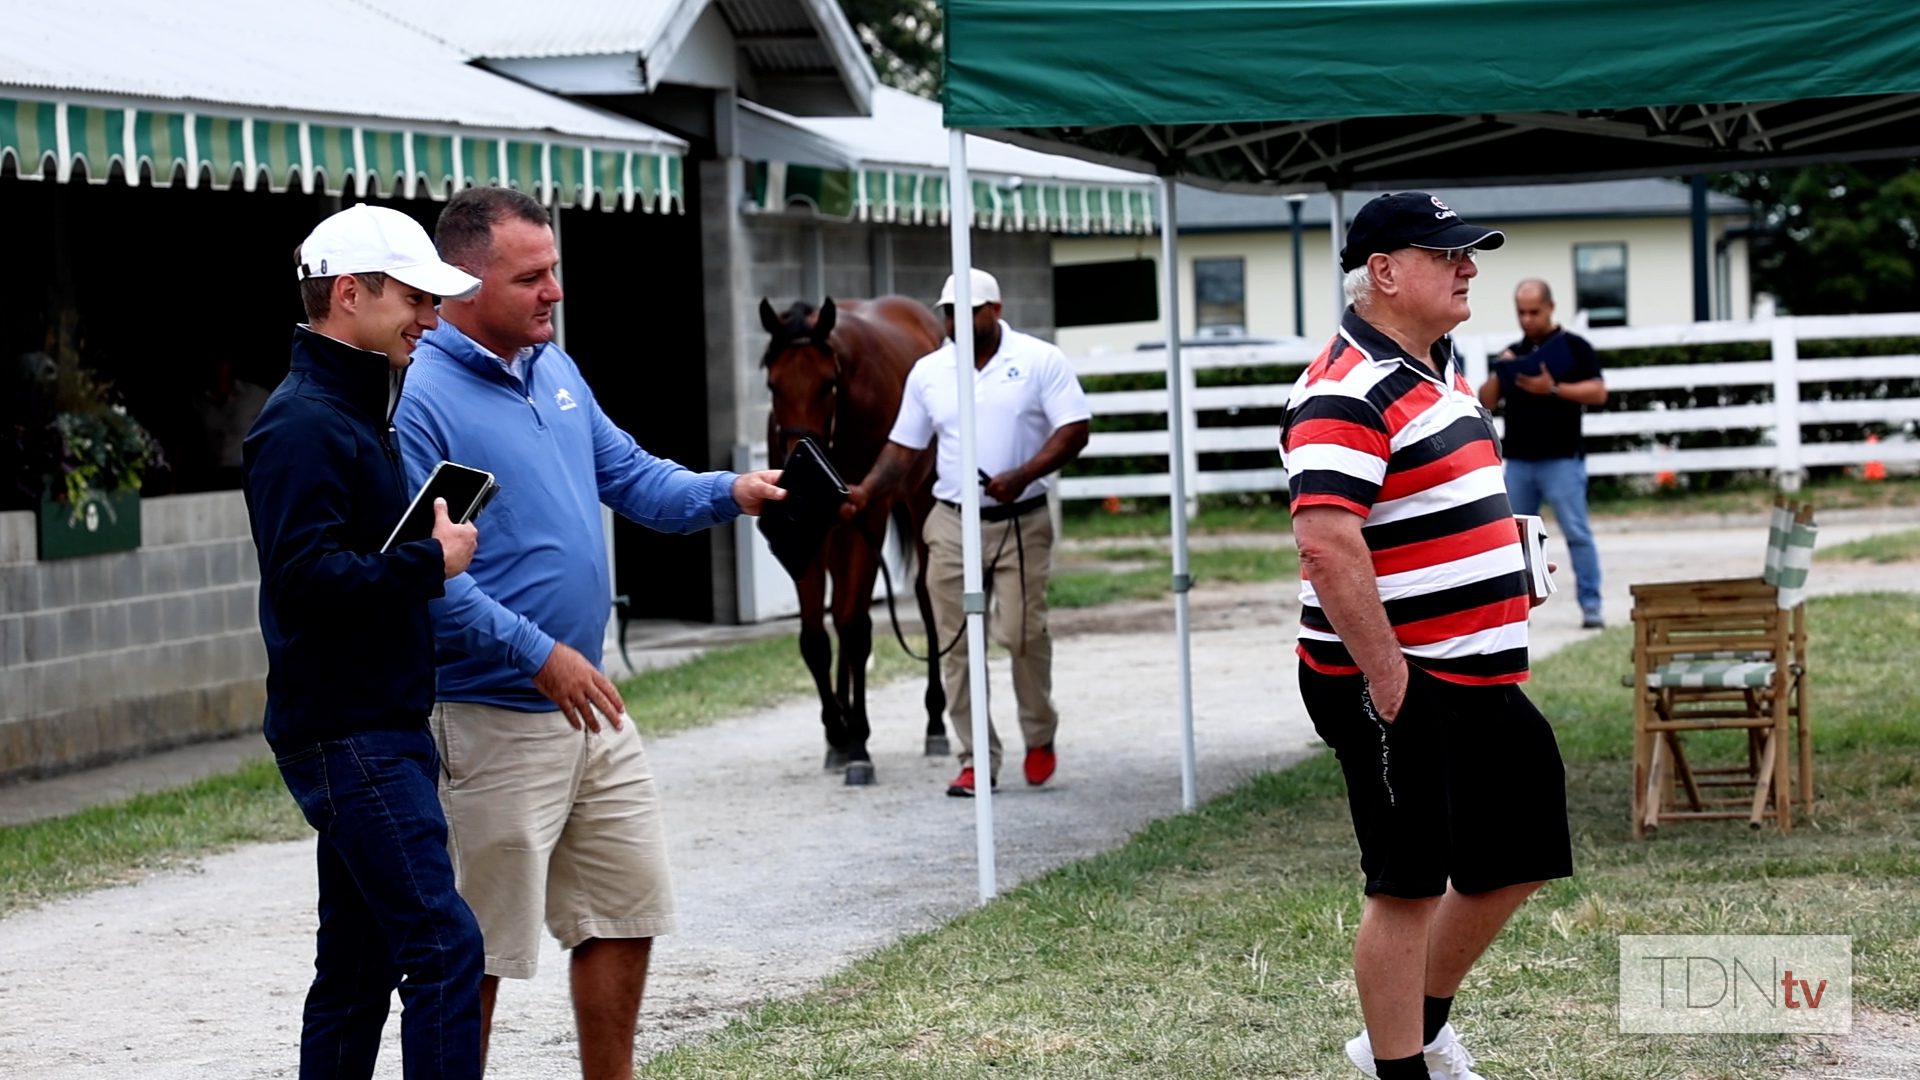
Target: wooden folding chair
1728	654
1779	527
1786	514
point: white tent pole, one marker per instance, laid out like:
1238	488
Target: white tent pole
1177	469
1337	234
973	594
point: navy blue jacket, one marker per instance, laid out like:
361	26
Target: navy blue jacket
349	639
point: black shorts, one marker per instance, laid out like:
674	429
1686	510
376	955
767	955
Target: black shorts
1465	785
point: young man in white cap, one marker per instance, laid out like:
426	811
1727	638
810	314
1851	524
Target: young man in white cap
1413	634
350	654
1031	419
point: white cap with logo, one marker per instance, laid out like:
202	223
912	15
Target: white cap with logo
985	289
373	239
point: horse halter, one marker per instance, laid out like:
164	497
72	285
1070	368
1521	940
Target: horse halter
784	432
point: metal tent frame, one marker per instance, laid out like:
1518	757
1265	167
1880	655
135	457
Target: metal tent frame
1444	95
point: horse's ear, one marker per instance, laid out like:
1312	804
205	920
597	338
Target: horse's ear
823	326
770	320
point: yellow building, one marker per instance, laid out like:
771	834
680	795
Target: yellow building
1615	253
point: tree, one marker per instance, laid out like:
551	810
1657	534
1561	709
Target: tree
1843	237
904	40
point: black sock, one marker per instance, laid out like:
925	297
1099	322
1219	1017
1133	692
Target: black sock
1437	1012
1406	1068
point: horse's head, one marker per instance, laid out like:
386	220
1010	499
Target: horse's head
803	373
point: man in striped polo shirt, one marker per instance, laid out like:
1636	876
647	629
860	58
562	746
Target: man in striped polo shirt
1413	634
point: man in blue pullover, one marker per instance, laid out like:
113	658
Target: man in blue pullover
552	810
350	654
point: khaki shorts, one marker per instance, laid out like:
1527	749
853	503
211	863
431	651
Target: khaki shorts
545	822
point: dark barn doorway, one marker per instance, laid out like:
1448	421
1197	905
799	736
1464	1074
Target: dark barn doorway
633	322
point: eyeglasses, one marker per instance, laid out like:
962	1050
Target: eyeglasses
1452	255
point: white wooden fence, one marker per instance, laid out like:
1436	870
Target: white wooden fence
1782	449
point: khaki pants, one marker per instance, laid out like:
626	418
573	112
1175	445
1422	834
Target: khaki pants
545	823
1018	603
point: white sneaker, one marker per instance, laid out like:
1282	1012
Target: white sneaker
1447	1058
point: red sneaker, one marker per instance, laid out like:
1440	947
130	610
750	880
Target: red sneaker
1039	764
962	786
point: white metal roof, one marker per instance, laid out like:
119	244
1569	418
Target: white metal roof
907	130
516	28
796	49
335	58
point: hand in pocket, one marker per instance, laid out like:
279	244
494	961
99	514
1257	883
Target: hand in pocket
1388	696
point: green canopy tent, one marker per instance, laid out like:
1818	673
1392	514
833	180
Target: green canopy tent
1371	94
1302	95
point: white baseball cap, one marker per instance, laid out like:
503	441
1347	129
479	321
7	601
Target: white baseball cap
367	239
984	288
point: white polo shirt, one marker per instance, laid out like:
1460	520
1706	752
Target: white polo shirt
1024	394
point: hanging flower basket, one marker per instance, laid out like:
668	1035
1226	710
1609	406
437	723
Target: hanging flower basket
92	504
100	522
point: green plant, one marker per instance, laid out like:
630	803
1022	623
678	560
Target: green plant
105	451
69	434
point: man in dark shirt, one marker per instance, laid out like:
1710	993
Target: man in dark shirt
350	655
1546	380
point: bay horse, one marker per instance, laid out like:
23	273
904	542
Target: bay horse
837	376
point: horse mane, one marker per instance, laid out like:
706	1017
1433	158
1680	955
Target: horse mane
793	327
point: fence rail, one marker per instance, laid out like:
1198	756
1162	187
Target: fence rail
1777	423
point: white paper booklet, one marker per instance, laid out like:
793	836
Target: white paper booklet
1533	543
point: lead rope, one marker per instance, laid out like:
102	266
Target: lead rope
893	614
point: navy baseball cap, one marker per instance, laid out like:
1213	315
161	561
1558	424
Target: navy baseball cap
1411	219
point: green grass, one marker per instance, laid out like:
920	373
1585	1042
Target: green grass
1885	548
1155	521
110	844
741	678
1836	493
1218	944
116	843
1091	587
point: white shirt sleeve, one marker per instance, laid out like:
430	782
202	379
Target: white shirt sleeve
913	427
1060	393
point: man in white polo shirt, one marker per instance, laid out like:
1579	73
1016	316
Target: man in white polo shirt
1030	417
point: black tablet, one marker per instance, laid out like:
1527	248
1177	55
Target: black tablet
797	526
466	490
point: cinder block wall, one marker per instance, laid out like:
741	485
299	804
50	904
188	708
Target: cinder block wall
109	656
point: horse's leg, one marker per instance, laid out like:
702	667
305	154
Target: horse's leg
919	506
816	648
854	565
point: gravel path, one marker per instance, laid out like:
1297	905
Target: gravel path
783	874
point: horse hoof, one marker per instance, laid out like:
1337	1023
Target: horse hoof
937	746
836	759
859	773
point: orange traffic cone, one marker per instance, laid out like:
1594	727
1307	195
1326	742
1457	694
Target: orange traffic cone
1874	470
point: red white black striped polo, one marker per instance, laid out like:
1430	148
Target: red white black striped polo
1370	430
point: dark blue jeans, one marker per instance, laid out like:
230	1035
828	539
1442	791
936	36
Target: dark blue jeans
389	915
1562	484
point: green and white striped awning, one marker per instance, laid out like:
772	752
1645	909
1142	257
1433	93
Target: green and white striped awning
919	197
286	153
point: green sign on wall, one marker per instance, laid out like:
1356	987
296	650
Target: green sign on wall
101	523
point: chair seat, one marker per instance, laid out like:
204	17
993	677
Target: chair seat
1723	674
